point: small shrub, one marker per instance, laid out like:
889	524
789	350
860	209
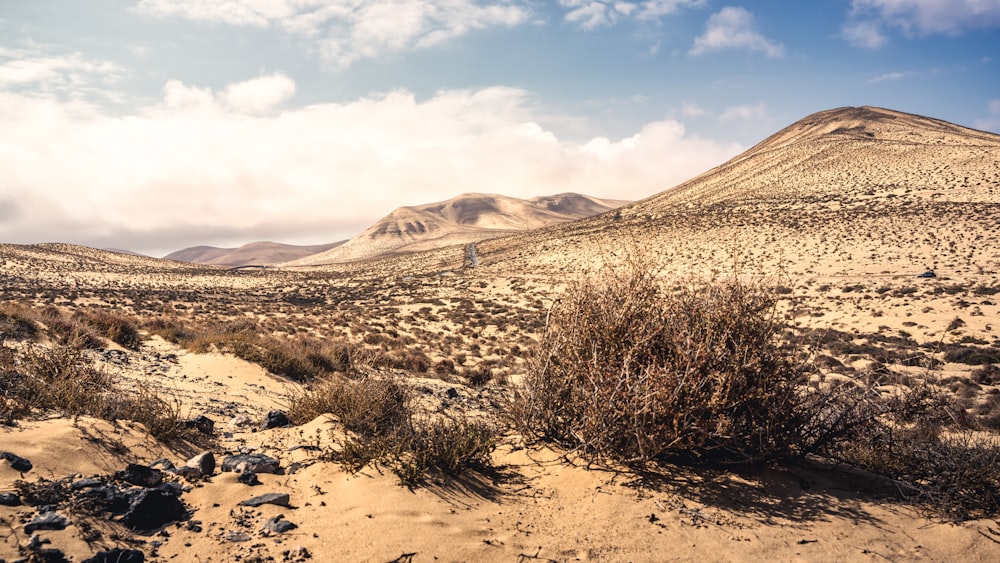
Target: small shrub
972	355
383	429
116	328
17	322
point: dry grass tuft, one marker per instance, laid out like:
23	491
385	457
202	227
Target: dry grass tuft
383	429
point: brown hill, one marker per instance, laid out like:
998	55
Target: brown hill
851	191
254	253
466	218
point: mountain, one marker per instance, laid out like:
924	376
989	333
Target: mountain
466	218
254	253
859	191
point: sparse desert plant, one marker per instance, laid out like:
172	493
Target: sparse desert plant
115	327
377	413
17	322
632	370
62	379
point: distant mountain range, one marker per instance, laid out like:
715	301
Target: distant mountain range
465	218
462	219
254	253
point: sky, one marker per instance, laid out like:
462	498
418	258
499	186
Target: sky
154	125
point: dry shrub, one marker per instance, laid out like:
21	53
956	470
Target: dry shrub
17	322
954	474
631	370
70	332
383	429
115	327
299	358
368	406
63	379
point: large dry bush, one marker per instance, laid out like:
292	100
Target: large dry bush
633	370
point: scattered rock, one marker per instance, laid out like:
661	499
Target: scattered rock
451	393
190	473
202	424
203	462
163	463
280	499
297	553
108	498
276	419
278	525
234	536
88	483
240	421
47	521
140	475
118	555
249	478
48	555
17	462
253	463
9	499
150	509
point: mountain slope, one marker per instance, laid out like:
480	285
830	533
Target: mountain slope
255	253
851	191
466	218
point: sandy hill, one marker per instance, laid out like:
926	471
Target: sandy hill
254	253
465	218
853	191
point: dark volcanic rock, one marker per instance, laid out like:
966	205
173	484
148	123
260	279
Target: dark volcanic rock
253	463
202	424
280	499
278	525
140	475
201	465
153	508
9	499
47	521
118	555
17	462
276	419
248	478
109	499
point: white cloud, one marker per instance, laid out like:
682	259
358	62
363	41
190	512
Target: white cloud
992	121
345	31
890	77
733	28
199	164
590	14
53	73
259	95
865	34
868	18
689	109
744	113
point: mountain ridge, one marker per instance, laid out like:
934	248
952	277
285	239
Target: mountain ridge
468	217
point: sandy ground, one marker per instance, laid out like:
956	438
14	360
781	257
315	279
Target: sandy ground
538	505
